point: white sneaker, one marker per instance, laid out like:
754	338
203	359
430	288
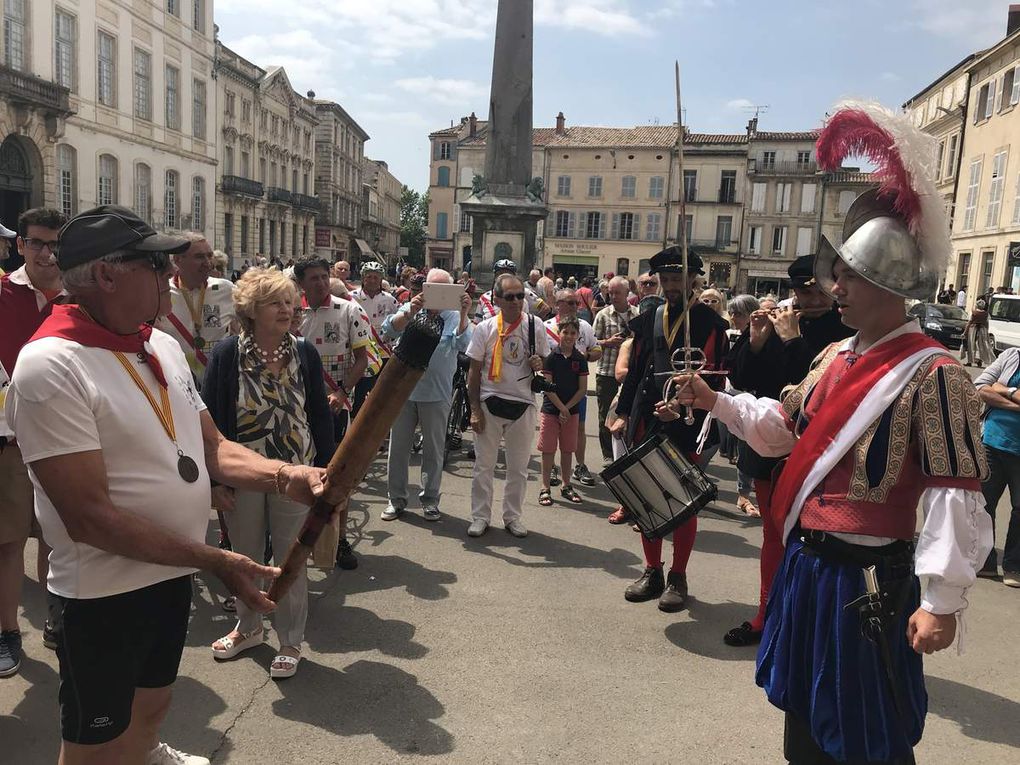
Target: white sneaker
1011	579
478	527
167	755
517	529
391	512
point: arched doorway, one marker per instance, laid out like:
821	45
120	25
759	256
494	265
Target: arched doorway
20	184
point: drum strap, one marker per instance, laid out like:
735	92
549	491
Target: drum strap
660	345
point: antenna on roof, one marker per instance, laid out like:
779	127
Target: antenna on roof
758	109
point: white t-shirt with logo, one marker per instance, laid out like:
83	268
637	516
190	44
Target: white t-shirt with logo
66	398
515	378
585	338
376	308
217	316
336	330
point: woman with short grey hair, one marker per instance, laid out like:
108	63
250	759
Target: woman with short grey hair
740	309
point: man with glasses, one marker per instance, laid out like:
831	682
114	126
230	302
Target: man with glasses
648	286
503	363
202	305
122	451
27	297
533	302
567	304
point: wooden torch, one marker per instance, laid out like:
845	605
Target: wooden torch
361	443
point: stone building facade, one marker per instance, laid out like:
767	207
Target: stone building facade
380	217
339	153
265	195
109	103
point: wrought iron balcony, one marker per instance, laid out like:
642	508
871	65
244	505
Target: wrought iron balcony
21	88
760	167
235	184
713	244
276	194
306	201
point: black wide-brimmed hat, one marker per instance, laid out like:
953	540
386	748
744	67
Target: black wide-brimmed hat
802	272
672	259
96	233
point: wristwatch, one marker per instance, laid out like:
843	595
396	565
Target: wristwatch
1010	392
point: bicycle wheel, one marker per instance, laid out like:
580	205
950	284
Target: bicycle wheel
453	429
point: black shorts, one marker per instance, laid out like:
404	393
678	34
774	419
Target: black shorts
109	646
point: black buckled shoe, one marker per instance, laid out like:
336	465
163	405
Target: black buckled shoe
648	587
743	635
345	557
675	595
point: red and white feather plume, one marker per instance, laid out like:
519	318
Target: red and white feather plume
903	157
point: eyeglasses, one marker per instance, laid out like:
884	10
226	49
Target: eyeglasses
710	301
158	261
511	296
649	284
36	245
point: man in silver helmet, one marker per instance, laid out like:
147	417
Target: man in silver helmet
883	422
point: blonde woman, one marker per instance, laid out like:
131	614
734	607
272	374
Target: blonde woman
715	300
265	389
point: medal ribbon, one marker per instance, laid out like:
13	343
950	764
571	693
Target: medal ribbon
670	335
195	311
496	365
163	410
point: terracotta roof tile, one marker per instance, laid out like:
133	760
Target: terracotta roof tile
808	135
654	136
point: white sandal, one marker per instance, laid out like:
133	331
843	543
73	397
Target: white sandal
232	648
287	670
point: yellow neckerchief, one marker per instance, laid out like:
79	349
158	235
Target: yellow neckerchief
670	335
496	365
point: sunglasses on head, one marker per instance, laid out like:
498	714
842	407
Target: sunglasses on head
513	296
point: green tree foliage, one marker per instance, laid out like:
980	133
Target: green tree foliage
414	221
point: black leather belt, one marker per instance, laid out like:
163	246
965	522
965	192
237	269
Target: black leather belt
825	545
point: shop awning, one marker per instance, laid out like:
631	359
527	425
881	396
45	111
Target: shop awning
576	260
365	249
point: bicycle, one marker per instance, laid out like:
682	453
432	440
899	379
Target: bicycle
460	409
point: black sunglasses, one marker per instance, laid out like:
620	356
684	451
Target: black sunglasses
514	296
159	261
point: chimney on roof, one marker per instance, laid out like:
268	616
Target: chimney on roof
472	125
1013	20
561	124
311	94
752	127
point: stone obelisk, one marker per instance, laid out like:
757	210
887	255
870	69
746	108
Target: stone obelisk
506	204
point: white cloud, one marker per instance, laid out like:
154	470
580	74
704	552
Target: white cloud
980	22
446	91
739	104
604	17
889	77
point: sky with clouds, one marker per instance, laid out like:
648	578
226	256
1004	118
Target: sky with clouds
403	68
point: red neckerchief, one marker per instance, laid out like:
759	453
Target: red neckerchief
324	304
833	412
68	322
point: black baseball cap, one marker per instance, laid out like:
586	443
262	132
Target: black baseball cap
96	233
802	272
672	259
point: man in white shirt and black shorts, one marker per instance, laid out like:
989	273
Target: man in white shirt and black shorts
505	352
121	452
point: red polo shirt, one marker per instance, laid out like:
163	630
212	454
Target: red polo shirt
22	309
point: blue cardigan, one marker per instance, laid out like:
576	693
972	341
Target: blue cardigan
222	383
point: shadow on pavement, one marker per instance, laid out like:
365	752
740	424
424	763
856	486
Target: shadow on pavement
187	725
383	572
724	543
981	715
31	732
358	629
372	698
702	634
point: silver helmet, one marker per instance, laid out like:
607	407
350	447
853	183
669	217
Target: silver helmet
878	246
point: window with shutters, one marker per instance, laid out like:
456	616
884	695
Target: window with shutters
628	187
973	187
628	226
803	159
173	7
245	110
562	223
778	240
768	160
106	69
198	15
106	192
262	170
690	185
1014	88
595	186
807	198
228	160
754	240
783	193
198	109
170	199
465	222
198	203
173	97
65	45
846	198
445	152
653	227
143	84
985	100
963	273
987	264
951	158
67	179
728	187
15	32
245	165
443	176
803	241
594	226
293	179
441	225
723	231
563	186
143	192
940	155
656	187
758	197
995	192
1016	202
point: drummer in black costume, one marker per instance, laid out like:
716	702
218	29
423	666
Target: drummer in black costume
657	334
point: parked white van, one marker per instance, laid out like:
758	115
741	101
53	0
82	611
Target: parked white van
1004	322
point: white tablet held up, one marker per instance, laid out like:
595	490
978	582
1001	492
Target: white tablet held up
442	297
